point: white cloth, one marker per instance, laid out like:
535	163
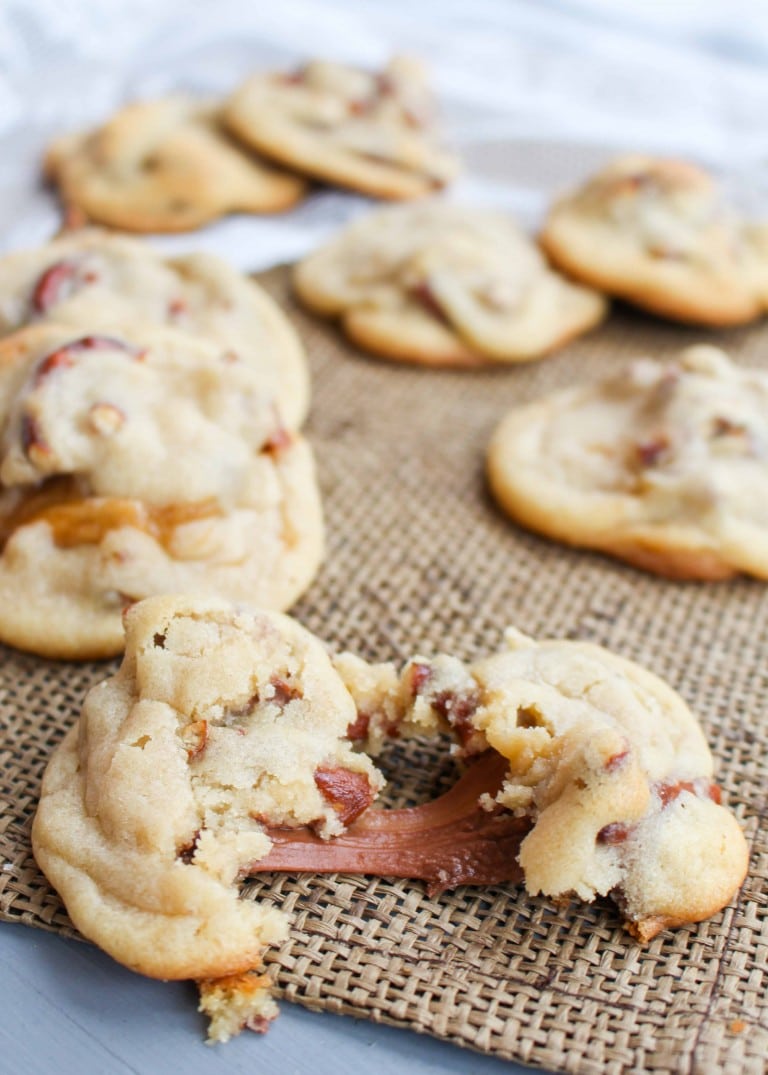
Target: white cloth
515	79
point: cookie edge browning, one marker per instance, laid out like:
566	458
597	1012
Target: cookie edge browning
361	325
671	551
439	346
371	330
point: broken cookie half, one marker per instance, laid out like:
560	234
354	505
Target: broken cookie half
230	743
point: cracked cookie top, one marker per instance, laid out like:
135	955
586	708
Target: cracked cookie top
220	721
605	764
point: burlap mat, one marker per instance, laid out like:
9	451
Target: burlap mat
419	559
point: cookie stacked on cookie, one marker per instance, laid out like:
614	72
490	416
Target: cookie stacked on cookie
175	164
92	279
150	415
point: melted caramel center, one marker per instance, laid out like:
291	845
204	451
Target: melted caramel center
449	841
77	519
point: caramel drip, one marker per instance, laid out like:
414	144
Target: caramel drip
75	519
449	841
32	503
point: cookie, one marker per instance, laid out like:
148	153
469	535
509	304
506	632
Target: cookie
664	465
605	763
225	719
657	233
373	132
92	279
164	166
437	284
585	775
136	464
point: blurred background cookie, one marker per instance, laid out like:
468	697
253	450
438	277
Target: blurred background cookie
657	232
372	131
438	284
164	165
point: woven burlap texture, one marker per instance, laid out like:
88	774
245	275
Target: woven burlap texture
420	560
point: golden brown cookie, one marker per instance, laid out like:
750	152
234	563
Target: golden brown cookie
141	463
92	279
657	233
164	166
663	465
438	284
373	132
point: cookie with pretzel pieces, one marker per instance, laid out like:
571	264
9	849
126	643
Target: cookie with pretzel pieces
164	166
136	464
658	233
442	285
373	132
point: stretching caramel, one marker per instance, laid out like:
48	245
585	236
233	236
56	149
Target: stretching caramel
449	841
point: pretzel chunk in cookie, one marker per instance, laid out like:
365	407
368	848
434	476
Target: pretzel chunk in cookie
164	166
373	132
436	284
665	466
134	464
658	233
